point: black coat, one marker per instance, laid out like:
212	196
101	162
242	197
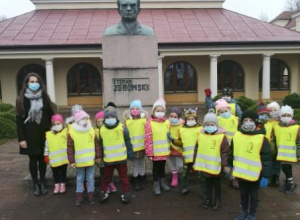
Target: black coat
33	133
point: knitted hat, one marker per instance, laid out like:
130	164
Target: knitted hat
262	108
111	104
190	112
210	117
136	104
274	105
221	103
76	108
57	117
227	91
99	115
250	114
159	102
110	112
286	109
79	115
176	110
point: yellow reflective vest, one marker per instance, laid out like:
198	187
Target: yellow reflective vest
247	160
57	144
174	130
286	143
114	147
230	125
161	144
84	144
208	158
136	128
189	138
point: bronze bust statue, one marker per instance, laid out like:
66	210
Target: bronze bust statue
129	10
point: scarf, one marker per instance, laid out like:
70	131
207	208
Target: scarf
36	105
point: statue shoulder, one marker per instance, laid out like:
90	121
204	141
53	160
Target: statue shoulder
146	30
113	30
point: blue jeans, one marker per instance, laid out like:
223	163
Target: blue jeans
88	174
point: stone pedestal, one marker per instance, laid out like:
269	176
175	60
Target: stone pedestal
130	70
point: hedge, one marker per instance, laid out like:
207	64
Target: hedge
292	100
9	116
8	128
4	107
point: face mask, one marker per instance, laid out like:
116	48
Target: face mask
248	126
191	123
159	114
227	99
34	86
274	115
110	121
135	112
174	121
57	128
263	118
286	120
225	115
210	129
83	123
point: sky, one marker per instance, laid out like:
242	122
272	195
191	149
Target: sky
252	8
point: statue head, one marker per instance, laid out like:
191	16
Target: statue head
129	9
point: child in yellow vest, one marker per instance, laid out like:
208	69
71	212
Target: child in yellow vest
287	136
136	127
83	152
55	153
176	149
211	156
99	117
252	162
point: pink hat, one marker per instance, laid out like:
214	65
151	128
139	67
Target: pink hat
57	117
99	115
221	103
79	115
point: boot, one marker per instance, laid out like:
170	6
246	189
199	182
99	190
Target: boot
44	190
207	203
79	199
274	181
250	217
126	197
56	188
36	189
290	187
156	188
91	198
242	215
112	187
137	186
184	190
217	205
62	188
142	182
103	197
164	185
174	179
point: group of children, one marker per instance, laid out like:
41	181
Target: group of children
249	148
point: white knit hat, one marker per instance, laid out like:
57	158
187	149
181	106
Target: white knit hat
286	110
210	117
273	105
159	102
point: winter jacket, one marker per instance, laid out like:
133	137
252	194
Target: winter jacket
31	132
265	153
210	104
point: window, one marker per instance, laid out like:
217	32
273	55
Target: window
84	79
230	74
280	76
30	68
180	77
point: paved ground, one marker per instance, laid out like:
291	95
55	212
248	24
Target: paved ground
17	201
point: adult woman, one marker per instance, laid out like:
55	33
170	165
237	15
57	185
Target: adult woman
34	111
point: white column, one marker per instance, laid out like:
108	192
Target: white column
50	78
266	76
213	83
160	78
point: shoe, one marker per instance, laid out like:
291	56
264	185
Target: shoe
62	188
242	215
250	217
290	188
184	190
112	187
108	190
174	179
36	189
126	197
234	184
79	199
274	181
164	185
207	204
44	190
142	182
217	205
156	188
56	188
91	198
137	186
103	197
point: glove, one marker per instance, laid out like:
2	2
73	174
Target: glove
207	92
170	137
46	159
263	182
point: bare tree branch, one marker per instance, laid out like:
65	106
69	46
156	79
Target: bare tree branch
292	5
3	17
263	17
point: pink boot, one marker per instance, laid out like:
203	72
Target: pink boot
56	188
112	187
62	188
174	179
